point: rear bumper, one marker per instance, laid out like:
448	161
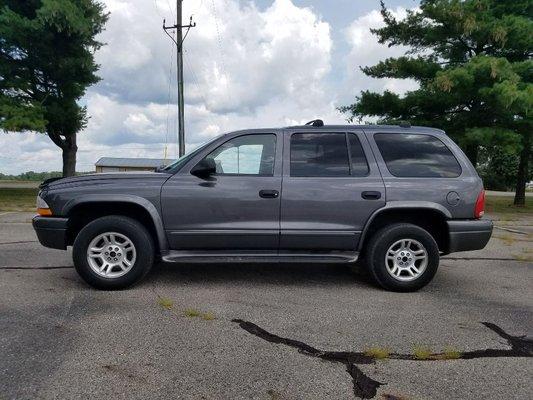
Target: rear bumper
468	234
51	231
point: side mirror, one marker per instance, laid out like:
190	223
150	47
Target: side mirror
205	168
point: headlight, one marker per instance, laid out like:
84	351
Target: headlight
42	207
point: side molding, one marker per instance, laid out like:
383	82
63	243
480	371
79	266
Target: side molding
403	205
113	198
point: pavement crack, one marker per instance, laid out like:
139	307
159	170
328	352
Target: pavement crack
16	267
479	258
510	230
365	387
19	242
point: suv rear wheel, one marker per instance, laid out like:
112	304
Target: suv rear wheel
113	252
402	257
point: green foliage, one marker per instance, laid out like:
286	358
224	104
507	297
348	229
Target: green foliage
46	64
31	176
498	168
17	199
472	61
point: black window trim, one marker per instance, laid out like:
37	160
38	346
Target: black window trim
248	175
346	133
418	177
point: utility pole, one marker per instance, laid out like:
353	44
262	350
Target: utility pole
179	70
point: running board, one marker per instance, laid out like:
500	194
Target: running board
217	256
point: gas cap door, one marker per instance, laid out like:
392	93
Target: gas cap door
453	198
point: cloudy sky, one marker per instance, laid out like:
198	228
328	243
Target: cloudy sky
247	64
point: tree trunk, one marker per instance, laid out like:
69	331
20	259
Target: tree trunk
523	172
69	156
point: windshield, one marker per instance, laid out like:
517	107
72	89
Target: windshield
180	162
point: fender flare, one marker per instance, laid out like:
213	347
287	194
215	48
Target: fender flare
132	199
402	205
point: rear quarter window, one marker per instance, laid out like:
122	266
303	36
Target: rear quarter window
416	155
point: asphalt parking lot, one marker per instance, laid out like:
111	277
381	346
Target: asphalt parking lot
266	331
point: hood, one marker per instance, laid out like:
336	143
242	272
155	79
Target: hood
102	178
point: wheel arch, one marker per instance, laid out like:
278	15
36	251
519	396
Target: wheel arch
85	209
427	215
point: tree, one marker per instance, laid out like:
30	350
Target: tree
472	61
46	64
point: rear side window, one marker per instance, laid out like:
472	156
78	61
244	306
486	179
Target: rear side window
319	154
418	156
327	154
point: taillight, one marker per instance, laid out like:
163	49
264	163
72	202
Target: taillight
479	209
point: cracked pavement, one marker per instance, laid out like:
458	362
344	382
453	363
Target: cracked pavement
61	339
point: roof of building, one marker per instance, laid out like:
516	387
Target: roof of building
131	162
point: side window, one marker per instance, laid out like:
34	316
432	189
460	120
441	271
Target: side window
246	155
357	156
420	156
319	154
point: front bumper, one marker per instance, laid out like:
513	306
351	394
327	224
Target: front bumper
468	234
51	231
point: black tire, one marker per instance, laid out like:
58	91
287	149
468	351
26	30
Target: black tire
379	245
134	231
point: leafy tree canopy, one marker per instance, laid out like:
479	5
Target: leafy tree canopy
472	61
46	63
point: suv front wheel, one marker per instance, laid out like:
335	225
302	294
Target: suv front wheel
402	257
113	252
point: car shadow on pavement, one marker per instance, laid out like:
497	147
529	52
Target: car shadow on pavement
259	273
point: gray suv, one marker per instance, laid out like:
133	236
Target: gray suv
394	197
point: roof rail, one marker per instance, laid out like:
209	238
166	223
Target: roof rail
316	122
404	124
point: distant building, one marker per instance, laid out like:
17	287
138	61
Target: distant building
112	164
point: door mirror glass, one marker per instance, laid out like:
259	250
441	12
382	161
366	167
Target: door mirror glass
205	168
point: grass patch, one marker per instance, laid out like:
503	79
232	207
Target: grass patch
523	257
208	316
18	199
192	313
504	205
422	353
451	354
506	238
167	304
377	353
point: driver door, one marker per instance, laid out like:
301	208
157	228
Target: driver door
238	207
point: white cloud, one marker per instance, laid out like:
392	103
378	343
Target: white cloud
365	50
245	67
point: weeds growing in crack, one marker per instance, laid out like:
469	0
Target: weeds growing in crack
365	387
377	353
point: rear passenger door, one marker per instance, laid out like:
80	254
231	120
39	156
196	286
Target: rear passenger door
331	186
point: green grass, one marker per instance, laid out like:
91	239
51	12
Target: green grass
504	205
208	316
165	303
18	199
377	353
192	313
451	354
422	353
